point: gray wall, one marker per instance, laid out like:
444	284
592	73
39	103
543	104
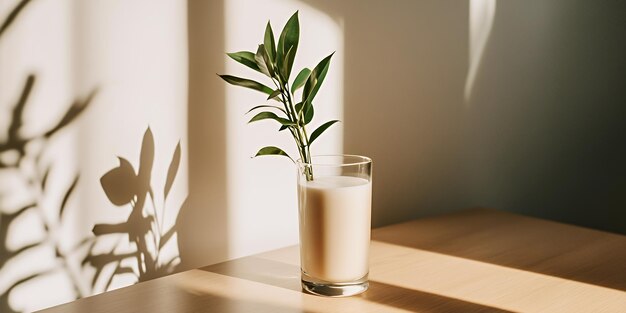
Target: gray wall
549	116
543	134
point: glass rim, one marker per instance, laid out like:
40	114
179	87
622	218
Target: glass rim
365	160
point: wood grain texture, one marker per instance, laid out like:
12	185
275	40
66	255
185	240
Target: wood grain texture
470	261
521	242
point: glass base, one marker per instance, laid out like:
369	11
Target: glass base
330	289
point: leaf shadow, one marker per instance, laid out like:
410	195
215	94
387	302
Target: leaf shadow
124	186
38	187
15	145
12	16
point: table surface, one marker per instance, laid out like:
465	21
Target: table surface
470	261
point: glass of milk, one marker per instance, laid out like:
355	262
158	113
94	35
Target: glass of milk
335	199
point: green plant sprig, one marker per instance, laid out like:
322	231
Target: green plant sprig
276	62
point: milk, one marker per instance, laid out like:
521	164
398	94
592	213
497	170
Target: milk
335	214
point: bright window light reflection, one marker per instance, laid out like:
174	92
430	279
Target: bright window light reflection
481	15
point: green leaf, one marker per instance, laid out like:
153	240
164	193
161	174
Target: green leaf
307	111
270	46
300	79
267	106
243	82
268	62
283	127
288	39
271	150
246	58
270	115
274	94
262	61
316	133
316	78
286	69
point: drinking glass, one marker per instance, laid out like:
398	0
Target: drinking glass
335	196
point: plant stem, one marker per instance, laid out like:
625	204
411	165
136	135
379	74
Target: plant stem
298	131
292	117
303	144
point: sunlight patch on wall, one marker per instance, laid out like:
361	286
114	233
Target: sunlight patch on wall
481	16
262	191
136	53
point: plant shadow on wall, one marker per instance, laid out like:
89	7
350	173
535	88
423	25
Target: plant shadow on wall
21	160
25	185
36	202
145	227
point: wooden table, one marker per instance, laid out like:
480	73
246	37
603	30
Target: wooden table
470	261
